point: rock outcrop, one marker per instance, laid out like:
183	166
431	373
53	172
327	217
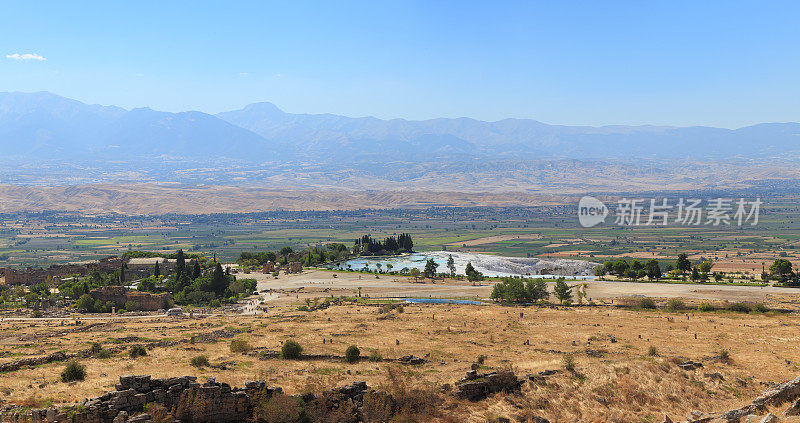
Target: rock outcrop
477	386
184	399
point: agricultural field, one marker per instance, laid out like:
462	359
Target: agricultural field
549	231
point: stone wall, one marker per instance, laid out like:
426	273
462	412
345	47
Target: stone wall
30	275
119	295
180	399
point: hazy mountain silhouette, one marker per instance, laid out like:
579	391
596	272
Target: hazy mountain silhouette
44	125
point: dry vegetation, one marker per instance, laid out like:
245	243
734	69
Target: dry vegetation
617	376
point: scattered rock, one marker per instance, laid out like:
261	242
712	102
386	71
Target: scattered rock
477	386
690	365
411	359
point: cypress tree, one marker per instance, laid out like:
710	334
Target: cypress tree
180	263
197	270
219	283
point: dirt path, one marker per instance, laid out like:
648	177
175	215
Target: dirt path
398	287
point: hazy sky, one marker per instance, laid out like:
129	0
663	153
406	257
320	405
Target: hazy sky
723	63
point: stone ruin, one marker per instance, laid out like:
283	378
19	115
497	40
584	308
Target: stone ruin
181	399
119	295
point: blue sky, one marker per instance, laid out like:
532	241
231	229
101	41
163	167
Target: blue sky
721	63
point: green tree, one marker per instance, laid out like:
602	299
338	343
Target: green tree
430	268
683	264
562	291
469	269
620	267
180	264
85	303
156	270
653	269
219	282
695	274
451	265
196	270
286	251
781	268
705	267
536	290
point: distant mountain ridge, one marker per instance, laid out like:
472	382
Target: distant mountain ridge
44	125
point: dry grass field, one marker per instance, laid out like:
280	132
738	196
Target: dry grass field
625	368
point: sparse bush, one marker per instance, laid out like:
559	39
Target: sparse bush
675	305
352	354
103	354
740	307
652	351
291	350
705	307
375	356
646	304
73	372
569	363
760	308
199	361
303	308
137	351
481	359
240	346
725	356
95	348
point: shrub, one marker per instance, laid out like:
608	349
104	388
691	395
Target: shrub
352	354
375	356
646	304
739	307
705	307
240	346
199	361
652	351
569	363
96	347
103	353
760	308
725	356
481	359
675	305
291	350
303	308
73	371
137	351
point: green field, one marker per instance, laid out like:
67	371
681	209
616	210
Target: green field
39	239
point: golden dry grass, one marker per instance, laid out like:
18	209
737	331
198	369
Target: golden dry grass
622	383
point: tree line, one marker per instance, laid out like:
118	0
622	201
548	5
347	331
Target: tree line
529	291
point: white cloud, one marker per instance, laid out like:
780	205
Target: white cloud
244	73
26	56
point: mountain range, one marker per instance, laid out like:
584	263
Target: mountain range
43	125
